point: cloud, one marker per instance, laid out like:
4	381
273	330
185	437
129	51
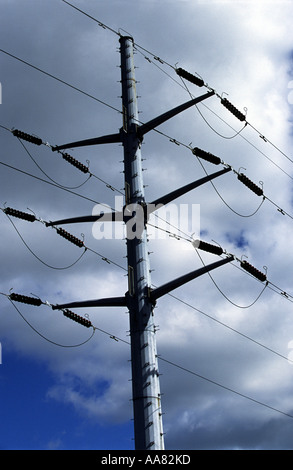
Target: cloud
240	48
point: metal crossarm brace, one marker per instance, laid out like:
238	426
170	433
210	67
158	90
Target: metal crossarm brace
169	286
140	298
149	208
153	295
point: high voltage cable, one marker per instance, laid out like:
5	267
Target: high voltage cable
60	80
37	301
224	102
19	214
116	33
92	18
198	152
17	297
224	387
44	173
67	157
230	107
9	166
225	296
53	184
119	111
45	337
241	177
187	304
57	268
248	268
93	97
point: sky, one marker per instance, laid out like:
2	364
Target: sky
224	341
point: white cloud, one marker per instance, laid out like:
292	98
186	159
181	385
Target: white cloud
242	49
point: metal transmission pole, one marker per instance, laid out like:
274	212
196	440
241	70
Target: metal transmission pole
140	298
148	426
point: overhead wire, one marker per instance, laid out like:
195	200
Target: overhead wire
281	210
225	296
162	61
86	248
109	261
44	173
189	371
92	18
120	112
53	184
57	268
67	157
237	132
60	80
171	139
159	357
45	337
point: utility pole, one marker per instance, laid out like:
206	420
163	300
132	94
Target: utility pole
148	426
140	299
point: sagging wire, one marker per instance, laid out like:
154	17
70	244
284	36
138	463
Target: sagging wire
225	202
238	114
63	233
67	157
225	103
241	177
244	267
38	141
224	295
126	342
206	121
204	169
57	268
44	173
10	298
80	243
53	184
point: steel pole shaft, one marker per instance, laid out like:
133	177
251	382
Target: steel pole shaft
148	428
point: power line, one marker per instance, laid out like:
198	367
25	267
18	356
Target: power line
60	80
44	173
52	184
80	166
174	142
92	18
86	248
38	258
237	133
280	210
45	337
224	387
225	296
161	61
172	363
